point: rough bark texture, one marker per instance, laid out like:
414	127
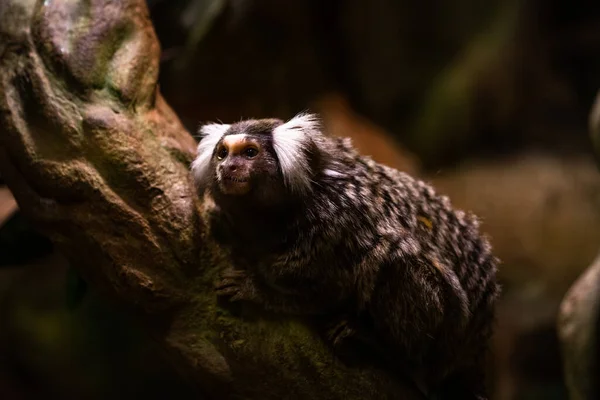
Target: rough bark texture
99	162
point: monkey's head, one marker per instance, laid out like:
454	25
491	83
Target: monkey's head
265	160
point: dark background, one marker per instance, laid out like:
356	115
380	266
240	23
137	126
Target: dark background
487	100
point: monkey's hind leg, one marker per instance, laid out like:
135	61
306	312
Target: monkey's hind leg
348	345
352	343
339	331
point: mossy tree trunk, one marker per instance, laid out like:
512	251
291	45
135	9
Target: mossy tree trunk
98	161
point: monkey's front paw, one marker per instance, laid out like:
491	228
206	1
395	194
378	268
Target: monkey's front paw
235	284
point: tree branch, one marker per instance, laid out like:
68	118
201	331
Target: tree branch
579	315
578	324
99	162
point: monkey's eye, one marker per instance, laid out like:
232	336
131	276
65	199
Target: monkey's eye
250	152
221	153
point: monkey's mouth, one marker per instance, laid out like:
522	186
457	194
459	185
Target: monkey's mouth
234	179
234	185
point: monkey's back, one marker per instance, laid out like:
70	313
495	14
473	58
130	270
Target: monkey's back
435	283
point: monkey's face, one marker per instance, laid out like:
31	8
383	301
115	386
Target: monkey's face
244	162
258	163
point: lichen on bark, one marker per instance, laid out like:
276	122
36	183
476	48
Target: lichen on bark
97	160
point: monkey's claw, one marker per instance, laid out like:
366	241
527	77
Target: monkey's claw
339	332
234	284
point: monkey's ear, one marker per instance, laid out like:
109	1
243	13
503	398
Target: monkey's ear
210	135
292	142
213	130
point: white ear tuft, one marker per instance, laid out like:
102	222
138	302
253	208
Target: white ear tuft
291	142
210	135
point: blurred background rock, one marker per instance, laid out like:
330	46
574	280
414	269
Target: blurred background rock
487	100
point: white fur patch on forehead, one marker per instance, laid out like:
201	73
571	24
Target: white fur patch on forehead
210	135
291	142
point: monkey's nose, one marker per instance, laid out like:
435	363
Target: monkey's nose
231	168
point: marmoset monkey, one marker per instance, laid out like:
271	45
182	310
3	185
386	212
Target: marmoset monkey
316	228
